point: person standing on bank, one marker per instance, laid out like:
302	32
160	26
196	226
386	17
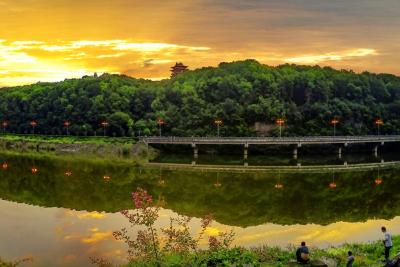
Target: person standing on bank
350	259
387	242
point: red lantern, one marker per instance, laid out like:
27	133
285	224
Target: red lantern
334	121
218	122
332	185
379	122
4	166
160	122
378	181
280	122
34	170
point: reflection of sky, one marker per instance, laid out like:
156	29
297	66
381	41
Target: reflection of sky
62	237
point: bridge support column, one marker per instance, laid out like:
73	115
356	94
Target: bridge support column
246	151
375	150
295	152
195	151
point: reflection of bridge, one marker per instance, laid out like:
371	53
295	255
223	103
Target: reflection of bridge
291	141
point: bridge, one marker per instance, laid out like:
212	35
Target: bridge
296	142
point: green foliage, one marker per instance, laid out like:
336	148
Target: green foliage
228	257
239	93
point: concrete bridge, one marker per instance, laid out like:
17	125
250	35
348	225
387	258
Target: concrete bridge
296	142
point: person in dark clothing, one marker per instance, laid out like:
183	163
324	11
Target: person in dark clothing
303	254
350	259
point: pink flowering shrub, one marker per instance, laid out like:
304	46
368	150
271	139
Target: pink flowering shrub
177	238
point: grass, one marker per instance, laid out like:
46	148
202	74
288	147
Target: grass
68	139
366	254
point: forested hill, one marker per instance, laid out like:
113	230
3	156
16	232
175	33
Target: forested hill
242	94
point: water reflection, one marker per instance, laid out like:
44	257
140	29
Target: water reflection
238	199
273	208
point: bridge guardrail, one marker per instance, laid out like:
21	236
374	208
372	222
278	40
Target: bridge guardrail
241	140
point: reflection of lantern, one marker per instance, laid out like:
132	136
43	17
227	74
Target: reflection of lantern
4	166
378	181
68	173
217	184
333	185
161	182
34	170
279	185
106	178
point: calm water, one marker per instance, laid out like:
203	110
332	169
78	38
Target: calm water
66	211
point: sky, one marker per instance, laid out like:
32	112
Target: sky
49	40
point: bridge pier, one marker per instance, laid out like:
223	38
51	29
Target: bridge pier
375	150
295	152
246	151
339	152
195	151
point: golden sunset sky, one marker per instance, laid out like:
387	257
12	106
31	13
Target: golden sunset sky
49	40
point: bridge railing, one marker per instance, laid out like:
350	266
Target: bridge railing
272	139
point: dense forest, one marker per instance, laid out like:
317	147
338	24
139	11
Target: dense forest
247	96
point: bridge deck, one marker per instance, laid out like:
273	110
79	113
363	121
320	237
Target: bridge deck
271	140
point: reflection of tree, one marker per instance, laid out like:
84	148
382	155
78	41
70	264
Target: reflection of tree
244	200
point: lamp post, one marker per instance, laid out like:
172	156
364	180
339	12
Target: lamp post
104	124
4	124
218	122
67	124
280	122
160	123
378	123
33	124
334	122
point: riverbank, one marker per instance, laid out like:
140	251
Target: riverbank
366	254
103	147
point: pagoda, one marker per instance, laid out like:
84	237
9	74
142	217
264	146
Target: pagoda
177	69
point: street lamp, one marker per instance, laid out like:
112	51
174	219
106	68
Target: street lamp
280	122
334	122
67	124
378	123
4	124
105	125
33	124
160	123
218	122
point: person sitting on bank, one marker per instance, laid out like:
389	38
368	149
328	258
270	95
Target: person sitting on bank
303	254
350	259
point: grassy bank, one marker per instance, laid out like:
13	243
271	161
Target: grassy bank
366	254
68	139
100	147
